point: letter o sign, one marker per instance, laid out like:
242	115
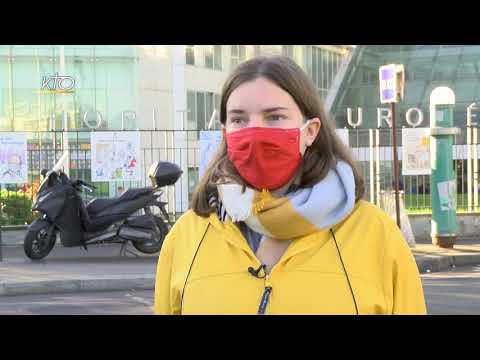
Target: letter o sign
408	117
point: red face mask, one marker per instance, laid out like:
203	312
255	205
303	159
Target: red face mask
266	158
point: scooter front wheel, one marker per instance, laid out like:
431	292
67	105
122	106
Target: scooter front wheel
38	243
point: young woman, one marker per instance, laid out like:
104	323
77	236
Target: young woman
278	224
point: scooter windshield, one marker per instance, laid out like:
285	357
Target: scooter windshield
56	168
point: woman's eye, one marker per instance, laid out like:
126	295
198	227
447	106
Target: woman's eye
275	117
236	120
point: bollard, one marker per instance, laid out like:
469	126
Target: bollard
443	181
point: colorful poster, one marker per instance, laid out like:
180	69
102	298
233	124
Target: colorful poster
13	158
115	156
209	142
416	151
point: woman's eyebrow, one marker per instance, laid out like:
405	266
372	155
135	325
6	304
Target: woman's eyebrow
236	111
267	110
272	109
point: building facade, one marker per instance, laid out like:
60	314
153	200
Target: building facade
426	67
84	88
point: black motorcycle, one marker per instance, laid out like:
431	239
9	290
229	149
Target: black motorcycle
114	220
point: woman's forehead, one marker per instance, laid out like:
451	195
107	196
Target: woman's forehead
258	95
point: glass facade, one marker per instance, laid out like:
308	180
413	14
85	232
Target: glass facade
426	67
58	94
320	62
74	87
103	81
322	66
66	87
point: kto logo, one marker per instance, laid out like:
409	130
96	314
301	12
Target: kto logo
58	84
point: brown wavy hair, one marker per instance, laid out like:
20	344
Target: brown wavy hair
318	159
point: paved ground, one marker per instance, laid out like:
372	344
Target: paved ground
455	292
67	275
95	303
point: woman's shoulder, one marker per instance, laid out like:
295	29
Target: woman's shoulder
368	220
184	234
188	222
366	210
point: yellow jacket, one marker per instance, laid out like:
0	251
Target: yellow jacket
308	279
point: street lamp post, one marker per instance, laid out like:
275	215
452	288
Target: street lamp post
392	84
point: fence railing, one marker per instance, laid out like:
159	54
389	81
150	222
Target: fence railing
372	148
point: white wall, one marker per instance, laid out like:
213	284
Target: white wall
155	87
202	79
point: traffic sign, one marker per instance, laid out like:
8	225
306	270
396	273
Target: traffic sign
391	83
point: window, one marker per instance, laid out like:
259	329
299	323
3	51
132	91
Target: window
315	60
314	67
308	55
190	54
191	106
208	108
200	109
322	65
238	54
288	50
216	122
329	69
209	57
217	57
324	70
213	57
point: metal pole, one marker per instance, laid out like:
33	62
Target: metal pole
372	167
377	165
395	165
1	216
469	168
475	168
469	155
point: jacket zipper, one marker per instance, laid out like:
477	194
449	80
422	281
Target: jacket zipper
265	298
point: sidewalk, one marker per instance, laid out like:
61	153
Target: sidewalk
431	258
68	270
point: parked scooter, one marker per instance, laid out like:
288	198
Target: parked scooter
101	220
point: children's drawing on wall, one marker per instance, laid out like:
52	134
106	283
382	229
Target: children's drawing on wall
115	156
13	158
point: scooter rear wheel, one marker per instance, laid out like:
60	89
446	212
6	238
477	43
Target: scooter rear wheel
38	244
152	247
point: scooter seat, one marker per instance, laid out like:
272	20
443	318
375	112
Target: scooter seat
98	205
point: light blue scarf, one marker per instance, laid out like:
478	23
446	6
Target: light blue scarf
297	213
